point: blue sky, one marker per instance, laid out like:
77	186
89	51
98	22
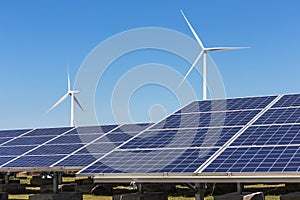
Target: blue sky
38	39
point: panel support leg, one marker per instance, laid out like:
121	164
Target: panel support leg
140	188
55	182
60	175
6	178
199	191
239	188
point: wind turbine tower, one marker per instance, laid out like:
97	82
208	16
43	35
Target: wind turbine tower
203	52
73	99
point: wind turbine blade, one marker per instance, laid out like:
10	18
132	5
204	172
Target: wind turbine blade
193	31
76	100
225	48
69	82
59	102
193	65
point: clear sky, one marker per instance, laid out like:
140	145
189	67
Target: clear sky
39	38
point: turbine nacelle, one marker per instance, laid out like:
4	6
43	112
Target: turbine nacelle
74	92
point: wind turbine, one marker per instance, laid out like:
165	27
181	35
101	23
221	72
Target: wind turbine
73	98
204	53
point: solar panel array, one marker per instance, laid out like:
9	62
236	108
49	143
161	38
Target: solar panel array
253	134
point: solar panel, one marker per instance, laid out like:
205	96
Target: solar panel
98	148
48	131
269	135
36	140
79	160
55	149
34	161
15	150
128	128
92	129
253	134
257	159
12	133
228	104
76	139
194	120
206	137
151	161
288	101
280	116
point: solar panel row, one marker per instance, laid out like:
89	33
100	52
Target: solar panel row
180	143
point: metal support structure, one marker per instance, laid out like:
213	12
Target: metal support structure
6	178
239	188
200	191
60	175
140	188
55	182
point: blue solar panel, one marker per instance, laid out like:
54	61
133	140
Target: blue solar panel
12	133
72	139
55	149
228	104
126	128
4	140
79	160
115	137
206	137
5	159
48	131
234	118
269	135
288	101
98	148
151	161
14	150
257	159
35	161
280	116
92	129
28	141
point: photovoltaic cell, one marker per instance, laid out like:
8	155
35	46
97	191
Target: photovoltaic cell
4	140
55	149
234	118
14	150
288	101
269	135
151	161
28	141
99	148
228	104
126	128
280	116
79	160
75	139
115	137
12	133
5	159
92	129
35	161
206	137
257	159
48	131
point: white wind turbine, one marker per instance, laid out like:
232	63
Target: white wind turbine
73	98
204	53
